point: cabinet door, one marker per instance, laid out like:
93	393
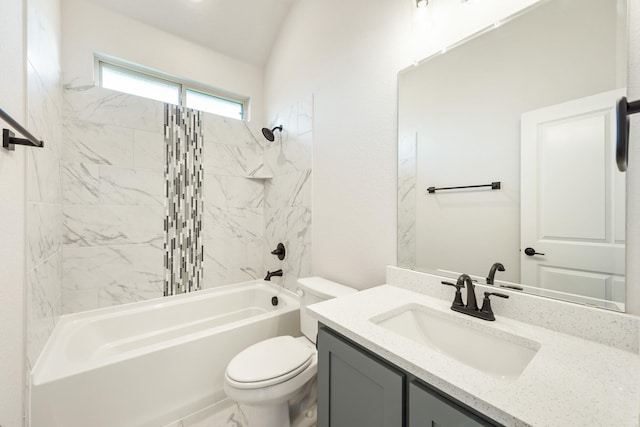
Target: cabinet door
429	409
354	388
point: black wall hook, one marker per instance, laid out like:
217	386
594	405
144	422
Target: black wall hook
623	110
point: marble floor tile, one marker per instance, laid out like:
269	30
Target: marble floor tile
223	414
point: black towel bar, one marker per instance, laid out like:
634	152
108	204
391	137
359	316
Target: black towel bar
494	186
9	141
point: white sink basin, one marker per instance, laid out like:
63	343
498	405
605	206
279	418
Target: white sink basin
492	351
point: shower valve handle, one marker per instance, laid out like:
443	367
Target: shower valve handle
279	251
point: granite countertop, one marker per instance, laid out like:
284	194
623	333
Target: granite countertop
569	382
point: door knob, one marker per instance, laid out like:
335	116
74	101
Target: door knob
531	252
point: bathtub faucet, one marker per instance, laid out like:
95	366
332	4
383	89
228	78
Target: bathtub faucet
270	274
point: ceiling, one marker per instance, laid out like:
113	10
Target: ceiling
242	29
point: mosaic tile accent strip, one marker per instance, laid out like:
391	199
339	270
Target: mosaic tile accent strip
183	246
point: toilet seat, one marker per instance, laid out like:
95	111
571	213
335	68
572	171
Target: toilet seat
268	362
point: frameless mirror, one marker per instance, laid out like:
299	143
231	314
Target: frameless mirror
520	121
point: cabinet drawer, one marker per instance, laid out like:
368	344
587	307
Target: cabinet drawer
427	408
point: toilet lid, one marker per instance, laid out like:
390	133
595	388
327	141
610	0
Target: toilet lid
269	362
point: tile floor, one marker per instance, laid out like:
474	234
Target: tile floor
223	414
228	413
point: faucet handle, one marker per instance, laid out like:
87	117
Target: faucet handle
486	304
457	300
455	285
497	294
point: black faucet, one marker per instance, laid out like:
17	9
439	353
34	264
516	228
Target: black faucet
492	272
463	280
270	274
471	308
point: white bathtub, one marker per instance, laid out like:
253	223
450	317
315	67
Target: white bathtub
152	362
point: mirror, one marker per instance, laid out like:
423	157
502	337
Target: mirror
528	104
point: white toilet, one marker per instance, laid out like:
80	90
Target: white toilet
266	376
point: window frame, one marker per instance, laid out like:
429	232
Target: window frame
183	85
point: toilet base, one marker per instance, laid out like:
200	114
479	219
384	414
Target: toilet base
267	415
308	418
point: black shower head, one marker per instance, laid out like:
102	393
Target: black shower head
268	133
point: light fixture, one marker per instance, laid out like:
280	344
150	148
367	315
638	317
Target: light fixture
422	3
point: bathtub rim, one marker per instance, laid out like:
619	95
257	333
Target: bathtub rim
38	378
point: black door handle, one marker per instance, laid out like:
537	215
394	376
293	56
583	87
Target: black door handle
531	252
623	110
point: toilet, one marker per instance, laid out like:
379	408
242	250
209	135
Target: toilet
277	375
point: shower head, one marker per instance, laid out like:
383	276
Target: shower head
268	133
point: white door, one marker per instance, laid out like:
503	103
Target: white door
573	199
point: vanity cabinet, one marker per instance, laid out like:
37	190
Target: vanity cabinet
429	408
354	388
358	388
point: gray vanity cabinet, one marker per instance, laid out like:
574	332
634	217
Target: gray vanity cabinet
354	389
357	388
427	408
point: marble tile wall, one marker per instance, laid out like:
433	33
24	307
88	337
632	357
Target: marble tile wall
407	151
113	198
256	194
287	196
232	225
43	293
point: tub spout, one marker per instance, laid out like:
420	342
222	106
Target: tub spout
270	274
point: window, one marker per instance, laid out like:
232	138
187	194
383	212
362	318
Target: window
169	90
213	104
128	81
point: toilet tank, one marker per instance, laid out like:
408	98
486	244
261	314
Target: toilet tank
311	291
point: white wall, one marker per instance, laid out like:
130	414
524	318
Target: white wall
88	28
346	54
12	215
350	60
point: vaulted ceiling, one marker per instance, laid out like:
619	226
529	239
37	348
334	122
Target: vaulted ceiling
243	29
